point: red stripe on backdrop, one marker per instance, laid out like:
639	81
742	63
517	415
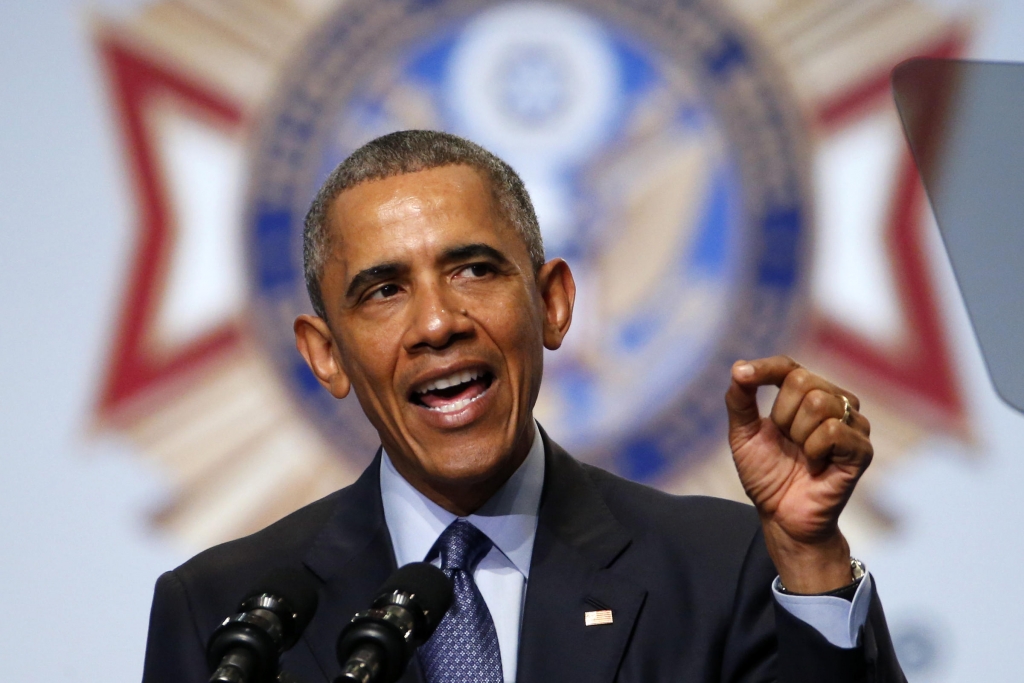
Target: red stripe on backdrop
921	367
135	367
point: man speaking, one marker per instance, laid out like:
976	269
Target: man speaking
433	305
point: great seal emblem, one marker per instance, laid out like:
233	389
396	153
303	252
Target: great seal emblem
612	157
665	161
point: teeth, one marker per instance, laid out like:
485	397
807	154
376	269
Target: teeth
451	380
452	407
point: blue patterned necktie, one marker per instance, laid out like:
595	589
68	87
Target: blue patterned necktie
464	648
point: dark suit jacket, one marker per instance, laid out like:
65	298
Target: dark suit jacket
688	580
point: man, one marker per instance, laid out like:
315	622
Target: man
433	303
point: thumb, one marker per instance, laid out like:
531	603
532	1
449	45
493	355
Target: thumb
741	400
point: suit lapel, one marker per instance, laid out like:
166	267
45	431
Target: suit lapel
571	573
353	556
577	543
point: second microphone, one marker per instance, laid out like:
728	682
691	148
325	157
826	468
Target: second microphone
376	646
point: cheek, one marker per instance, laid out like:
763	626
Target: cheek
373	364
515	327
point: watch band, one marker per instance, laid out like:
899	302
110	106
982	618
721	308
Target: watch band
846	592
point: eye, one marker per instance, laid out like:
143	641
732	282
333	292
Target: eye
384	292
476	270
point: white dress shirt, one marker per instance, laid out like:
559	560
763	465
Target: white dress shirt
509	519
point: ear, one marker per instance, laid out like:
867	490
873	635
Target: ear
314	340
558	293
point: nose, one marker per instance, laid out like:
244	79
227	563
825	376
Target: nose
437	320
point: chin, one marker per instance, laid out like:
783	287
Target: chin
463	468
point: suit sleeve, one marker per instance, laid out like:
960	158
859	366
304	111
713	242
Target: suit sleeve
767	644
803	651
174	651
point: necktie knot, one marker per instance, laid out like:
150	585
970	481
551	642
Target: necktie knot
461	546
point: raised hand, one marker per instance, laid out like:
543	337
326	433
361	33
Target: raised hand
799	466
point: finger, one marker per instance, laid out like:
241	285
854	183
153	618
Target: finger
817	406
776	370
836	443
860	423
741	404
797	385
763	371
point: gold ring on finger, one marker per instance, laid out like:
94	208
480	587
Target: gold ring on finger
847	410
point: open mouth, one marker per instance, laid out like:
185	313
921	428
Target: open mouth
453	392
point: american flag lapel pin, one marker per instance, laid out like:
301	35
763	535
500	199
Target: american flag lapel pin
597	617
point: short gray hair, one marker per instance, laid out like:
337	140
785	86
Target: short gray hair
409	151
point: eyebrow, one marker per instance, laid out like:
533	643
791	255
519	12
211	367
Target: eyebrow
466	252
392	269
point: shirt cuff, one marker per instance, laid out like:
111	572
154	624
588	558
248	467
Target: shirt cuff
839	621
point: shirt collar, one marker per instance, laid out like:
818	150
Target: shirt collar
509	518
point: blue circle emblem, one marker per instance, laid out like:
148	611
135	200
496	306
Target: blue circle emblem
665	162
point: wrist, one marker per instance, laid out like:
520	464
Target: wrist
847	592
810	568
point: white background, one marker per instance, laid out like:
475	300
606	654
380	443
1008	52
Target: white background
77	561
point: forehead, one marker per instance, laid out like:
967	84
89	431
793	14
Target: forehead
414	209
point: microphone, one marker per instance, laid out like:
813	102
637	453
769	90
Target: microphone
376	645
245	648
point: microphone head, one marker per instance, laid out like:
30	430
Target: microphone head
270	620
427	587
378	642
296	589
